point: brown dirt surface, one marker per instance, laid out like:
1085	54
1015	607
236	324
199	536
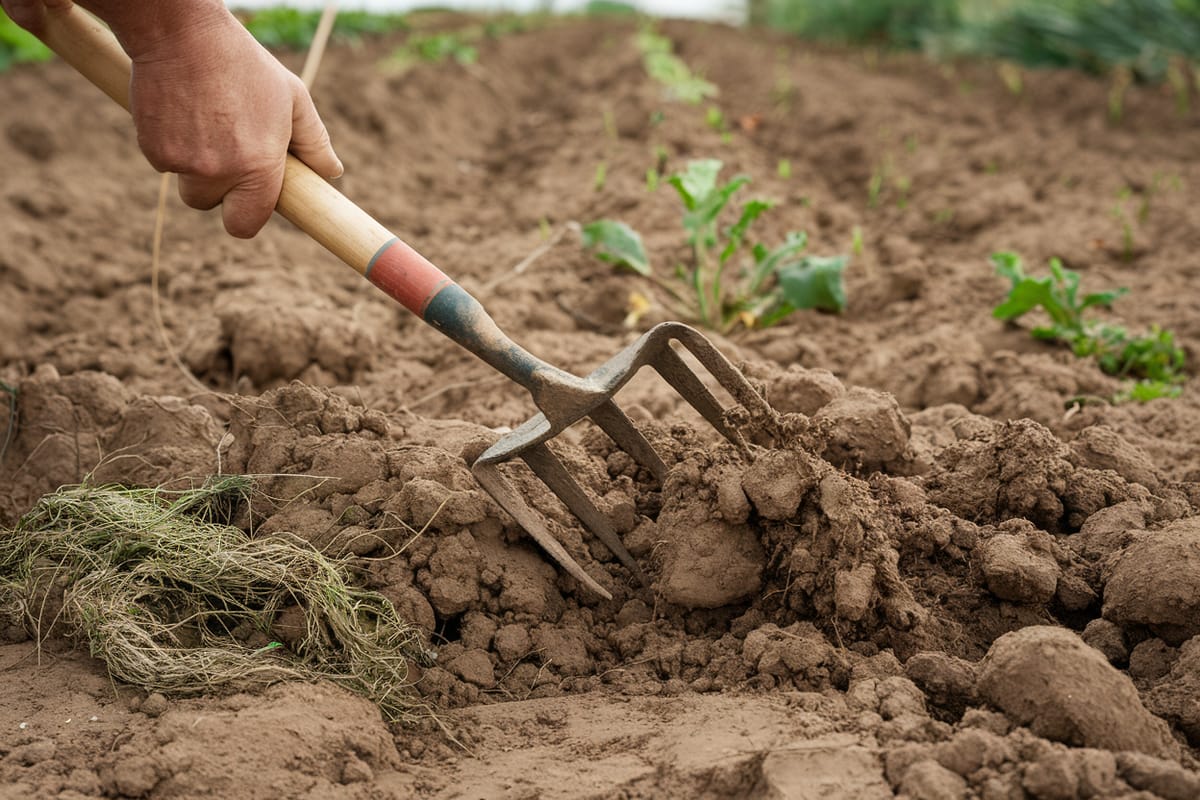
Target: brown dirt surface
941	578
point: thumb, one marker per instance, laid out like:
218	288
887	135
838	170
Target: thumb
310	140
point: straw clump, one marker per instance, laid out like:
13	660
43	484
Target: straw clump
172	599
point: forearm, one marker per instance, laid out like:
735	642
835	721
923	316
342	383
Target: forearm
145	26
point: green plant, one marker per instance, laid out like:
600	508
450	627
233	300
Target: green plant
18	45
664	66
1152	360
600	177
435	48
715	288
292	28
784	168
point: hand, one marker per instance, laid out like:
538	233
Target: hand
209	103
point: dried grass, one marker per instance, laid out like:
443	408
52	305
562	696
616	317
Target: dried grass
165	594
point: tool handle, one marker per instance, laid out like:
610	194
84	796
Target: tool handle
321	211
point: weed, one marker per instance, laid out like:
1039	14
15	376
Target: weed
770	285
652	179
670	70
158	586
784	169
1152	361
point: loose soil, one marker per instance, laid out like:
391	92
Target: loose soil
947	576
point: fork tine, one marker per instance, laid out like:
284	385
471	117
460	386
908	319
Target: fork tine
493	481
547	466
620	429
691	388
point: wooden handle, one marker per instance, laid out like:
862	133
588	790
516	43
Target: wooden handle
307	200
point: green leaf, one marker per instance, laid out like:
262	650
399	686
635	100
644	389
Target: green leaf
766	263
701	221
1008	265
1104	299
737	232
618	244
1026	295
696	182
814	282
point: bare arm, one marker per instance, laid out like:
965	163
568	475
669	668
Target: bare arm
208	102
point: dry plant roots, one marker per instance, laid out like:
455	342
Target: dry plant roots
172	600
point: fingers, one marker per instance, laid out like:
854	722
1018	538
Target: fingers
310	139
29	14
248	205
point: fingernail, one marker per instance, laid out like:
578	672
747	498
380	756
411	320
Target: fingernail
340	169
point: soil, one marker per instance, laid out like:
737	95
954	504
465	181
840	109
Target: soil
954	574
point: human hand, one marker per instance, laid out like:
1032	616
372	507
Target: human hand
209	103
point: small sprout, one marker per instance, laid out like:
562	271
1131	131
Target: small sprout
856	243
652	178
715	119
903	185
910	143
1177	77
660	158
874	188
600	178
610	124
785	168
1121	81
1011	75
944	216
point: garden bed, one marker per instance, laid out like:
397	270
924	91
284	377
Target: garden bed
897	595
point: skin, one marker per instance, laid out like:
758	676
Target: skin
208	102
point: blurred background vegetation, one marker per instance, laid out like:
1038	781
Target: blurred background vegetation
1150	39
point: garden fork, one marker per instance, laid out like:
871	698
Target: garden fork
562	398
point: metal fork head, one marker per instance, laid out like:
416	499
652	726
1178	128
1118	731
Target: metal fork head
563	399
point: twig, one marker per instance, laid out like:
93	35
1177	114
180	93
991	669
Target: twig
155	256
451	387
533	256
312	62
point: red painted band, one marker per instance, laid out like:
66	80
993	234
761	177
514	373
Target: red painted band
406	275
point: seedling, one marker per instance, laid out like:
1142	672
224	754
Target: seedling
652	179
435	48
715	288
1010	75
610	124
601	177
1121	81
785	168
856	242
670	70
1152	361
